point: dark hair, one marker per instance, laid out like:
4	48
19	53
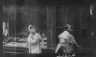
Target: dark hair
33	26
66	27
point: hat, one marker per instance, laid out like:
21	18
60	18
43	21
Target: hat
69	27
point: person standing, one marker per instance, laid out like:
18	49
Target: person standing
34	39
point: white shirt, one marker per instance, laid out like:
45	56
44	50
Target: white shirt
34	43
66	37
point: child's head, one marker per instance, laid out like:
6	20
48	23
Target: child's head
32	28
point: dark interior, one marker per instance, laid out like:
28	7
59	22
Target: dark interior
50	17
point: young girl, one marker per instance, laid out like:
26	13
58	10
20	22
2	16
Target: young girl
34	40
